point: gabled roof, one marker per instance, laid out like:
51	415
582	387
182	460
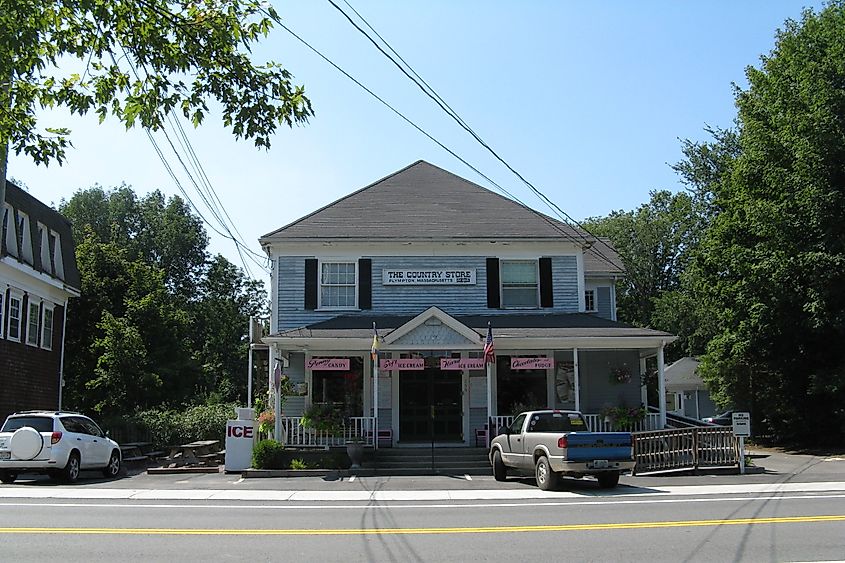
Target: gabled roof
425	202
38	212
684	374
602	259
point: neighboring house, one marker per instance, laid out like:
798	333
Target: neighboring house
37	277
686	393
430	259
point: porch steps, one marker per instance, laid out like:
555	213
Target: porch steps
418	461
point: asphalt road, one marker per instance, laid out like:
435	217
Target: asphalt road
795	511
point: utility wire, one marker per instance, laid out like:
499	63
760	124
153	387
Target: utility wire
431	93
212	208
547	219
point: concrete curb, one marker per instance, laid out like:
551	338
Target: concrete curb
178	470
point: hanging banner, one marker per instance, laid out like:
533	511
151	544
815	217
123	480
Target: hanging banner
325	364
532	363
415	364
461	363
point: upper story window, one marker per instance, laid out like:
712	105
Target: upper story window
14	327
590	301
338	285
520	286
2	310
47	327
32	323
58	266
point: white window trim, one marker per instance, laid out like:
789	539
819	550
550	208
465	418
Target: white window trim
320	262
502	261
2	311
30	303
47	344
595	308
19	297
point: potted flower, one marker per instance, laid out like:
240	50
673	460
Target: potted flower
624	418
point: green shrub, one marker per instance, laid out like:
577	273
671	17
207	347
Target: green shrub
298	464
169	427
269	454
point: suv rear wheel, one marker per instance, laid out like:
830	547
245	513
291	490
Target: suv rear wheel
71	471
8	477
113	468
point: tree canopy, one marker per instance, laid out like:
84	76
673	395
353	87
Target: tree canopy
138	60
159	321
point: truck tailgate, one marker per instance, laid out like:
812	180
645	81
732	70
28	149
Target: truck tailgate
588	446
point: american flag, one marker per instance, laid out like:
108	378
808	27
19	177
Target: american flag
489	352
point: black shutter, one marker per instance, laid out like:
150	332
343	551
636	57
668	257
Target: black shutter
365	283
493	297
310	283
546	288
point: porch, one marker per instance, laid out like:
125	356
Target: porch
361	428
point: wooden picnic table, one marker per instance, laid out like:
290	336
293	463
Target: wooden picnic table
193	453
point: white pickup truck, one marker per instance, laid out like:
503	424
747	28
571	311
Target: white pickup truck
552	443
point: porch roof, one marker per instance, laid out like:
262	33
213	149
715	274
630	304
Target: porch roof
506	328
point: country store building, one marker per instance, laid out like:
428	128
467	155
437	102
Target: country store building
430	259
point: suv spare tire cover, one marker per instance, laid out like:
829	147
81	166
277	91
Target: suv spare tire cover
26	443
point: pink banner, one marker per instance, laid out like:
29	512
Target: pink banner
415	364
324	364
461	363
532	363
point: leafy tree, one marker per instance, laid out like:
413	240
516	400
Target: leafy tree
773	261
159	324
140	60
653	242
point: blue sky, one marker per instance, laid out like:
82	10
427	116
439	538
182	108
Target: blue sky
586	99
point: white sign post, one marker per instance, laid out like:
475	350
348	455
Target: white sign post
742	430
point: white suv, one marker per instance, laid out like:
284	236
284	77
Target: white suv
56	443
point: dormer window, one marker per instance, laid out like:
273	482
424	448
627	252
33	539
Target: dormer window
58	266
9	233
24	239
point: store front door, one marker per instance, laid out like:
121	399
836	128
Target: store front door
426	392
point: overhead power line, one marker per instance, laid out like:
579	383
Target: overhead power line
444	106
547	219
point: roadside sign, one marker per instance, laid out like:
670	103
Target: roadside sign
742	424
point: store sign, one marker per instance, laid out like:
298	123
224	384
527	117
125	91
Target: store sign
415	364
461	363
324	364
465	276
531	363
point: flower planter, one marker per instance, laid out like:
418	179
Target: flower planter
355	451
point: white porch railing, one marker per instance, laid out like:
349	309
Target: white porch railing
354	427
597	423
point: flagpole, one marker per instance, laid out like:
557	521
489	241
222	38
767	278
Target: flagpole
489	358
374	355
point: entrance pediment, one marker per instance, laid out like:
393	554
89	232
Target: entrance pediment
433	329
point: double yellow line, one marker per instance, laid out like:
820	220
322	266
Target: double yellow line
435	531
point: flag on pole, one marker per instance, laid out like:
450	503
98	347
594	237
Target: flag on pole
489	351
374	349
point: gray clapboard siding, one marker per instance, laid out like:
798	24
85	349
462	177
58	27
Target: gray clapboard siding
411	300
597	390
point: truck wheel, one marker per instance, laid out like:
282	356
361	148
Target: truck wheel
546	478
500	472
608	480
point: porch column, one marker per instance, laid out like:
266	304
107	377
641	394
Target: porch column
375	401
489	401
644	386
661	386
577	379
